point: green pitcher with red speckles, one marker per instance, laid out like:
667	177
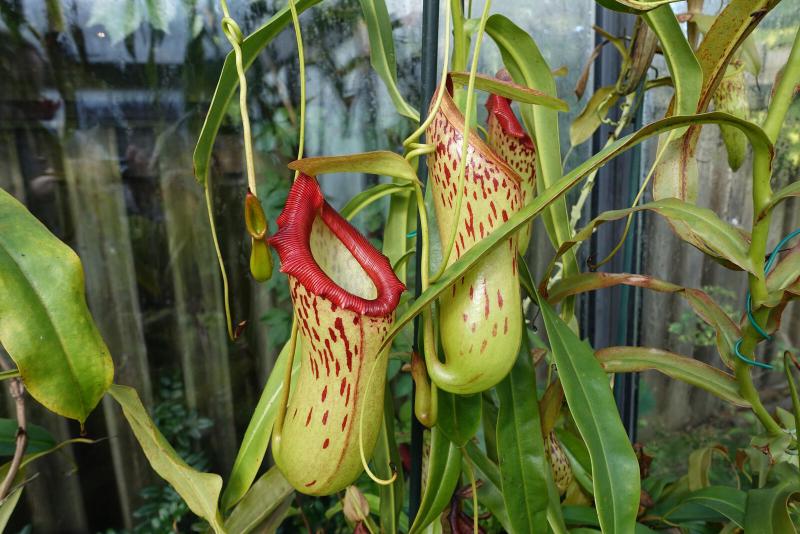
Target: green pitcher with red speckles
480	316
344	294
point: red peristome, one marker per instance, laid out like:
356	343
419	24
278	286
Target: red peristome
500	107
304	203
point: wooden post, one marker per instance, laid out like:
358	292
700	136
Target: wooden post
97	202
199	308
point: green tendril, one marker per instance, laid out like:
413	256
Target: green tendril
302	64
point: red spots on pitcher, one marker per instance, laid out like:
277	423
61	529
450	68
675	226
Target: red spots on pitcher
483	345
325	418
499	299
485	301
505	326
326	443
324	393
494	330
308	418
469	224
308	485
339	325
347	398
342	387
316	311
344	422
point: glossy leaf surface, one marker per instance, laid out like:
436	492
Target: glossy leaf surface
444	468
256	438
520	448
200	491
262	500
689	370
615	469
381	52
45	324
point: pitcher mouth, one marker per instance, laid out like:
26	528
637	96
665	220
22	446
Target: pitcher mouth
305	205
454	116
500	108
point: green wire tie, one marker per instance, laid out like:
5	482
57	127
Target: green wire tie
770	262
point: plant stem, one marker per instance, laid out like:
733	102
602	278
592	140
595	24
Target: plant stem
460	45
474	486
747	389
17	391
586	190
762	193
302	64
787	368
784	92
225	287
234	35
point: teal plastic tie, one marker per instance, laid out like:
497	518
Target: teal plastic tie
767	267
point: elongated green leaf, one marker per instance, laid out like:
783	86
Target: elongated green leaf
387	460
45	324
262	500
592	281
784	277
704	306
767	508
459	416
749	50
380	162
520	447
229	81
200	491
490	492
8	505
676	176
791	190
557	190
684	68
633	6
39	438
689	370
256	438
700	466
615	469
381	53
581	515
444	467
32	457
676	173
11	373
730	29
528	67
590	119
368	196
729	502
704	230
400	219
514	91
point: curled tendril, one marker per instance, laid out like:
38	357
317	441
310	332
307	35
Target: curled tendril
364	463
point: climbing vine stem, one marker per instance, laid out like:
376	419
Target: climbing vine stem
234	34
302	66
